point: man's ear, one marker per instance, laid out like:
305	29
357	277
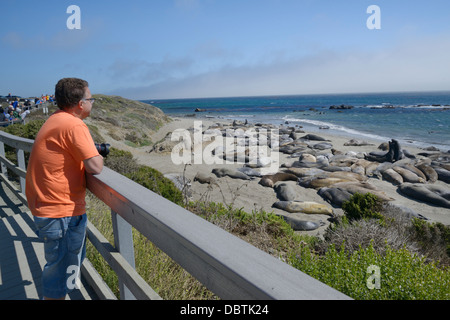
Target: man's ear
79	105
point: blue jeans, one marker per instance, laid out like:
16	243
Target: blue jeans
65	249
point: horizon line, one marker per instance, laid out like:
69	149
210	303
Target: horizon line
300	94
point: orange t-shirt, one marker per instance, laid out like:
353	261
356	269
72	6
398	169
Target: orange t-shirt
56	181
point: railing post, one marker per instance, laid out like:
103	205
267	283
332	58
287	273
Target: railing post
123	241
2	153
21	162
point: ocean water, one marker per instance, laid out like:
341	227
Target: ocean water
421	119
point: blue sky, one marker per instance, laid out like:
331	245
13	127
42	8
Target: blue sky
156	49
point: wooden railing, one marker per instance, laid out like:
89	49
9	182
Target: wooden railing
225	264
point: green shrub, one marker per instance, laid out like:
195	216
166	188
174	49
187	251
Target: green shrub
121	161
433	236
154	180
28	130
363	206
403	275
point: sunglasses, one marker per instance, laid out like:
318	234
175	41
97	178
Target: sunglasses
91	100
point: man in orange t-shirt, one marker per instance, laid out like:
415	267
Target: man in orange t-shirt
62	153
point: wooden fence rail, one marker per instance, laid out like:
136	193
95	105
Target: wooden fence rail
225	264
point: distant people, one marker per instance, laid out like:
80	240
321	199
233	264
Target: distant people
2	115
56	185
45	109
24	114
13	116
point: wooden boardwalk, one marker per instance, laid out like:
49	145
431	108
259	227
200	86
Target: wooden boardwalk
22	254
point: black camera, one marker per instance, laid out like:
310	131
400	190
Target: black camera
102	148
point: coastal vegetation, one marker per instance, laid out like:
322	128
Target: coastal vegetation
412	255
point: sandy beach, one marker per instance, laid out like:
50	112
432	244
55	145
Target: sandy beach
251	195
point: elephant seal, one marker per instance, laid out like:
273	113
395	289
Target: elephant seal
314	137
422	192
250	172
307	157
322	146
408	154
398	152
308	207
232	173
443	174
428	171
269	180
370	169
259	162
332	168
414	169
319	182
354	142
357	168
203	178
347	175
401	210
305	172
392	176
362	188
285	192
334	196
408	176
300	225
395	153
441	191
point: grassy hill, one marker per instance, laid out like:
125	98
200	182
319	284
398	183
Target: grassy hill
116	120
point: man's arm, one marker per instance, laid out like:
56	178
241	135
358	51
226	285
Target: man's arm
94	165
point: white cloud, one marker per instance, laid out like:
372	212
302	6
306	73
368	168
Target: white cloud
409	66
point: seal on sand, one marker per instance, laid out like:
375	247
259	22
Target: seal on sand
395	153
322	146
308	207
363	188
269	180
232	173
300	225
334	196
314	137
305	172
347	175
250	172
285	192
412	168
392	176
428	171
443	174
407	175
203	178
424	193
319	182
